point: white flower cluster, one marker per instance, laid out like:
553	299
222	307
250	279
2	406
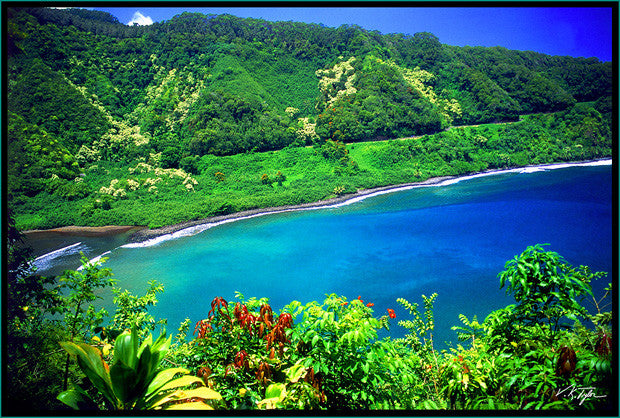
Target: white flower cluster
132	184
189	183
326	82
418	80
307	131
189	95
122	135
151	181
87	155
291	111
171	172
180	87
114	190
119	136
155	158
187	180
141	168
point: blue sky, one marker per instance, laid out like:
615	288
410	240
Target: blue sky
574	31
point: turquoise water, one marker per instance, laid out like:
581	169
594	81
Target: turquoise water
453	240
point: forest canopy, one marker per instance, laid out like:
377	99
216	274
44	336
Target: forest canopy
89	96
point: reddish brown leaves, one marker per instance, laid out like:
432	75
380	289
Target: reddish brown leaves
567	361
315	381
274	332
219	304
204	373
241	360
603	345
202	327
266	316
263	373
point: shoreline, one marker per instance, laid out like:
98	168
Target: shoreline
146	234
84	231
142	233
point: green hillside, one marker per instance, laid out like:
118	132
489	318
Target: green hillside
89	97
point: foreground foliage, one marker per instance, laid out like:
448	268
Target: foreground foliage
546	351
134	380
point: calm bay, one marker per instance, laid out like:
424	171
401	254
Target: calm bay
452	239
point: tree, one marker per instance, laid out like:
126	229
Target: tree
170	157
280	178
429	49
33	363
265	179
546	289
189	164
79	313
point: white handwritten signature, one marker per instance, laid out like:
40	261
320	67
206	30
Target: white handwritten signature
581	393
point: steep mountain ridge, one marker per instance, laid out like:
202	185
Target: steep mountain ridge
174	92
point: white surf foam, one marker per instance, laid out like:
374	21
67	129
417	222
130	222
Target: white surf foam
56	253
194	230
44	261
532	170
378	193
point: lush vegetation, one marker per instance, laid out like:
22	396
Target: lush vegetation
551	349
209	115
146	193
196	116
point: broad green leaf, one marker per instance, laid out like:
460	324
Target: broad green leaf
77	399
295	373
92	365
365	367
145	370
164	377
147	342
188	406
125	350
276	390
269	403
202	392
124	381
324	369
158	401
160	347
180	382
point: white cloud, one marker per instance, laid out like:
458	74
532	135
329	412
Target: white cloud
140	19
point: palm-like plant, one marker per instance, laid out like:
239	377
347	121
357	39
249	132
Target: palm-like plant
134	380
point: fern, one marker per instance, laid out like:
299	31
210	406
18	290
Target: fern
471	330
420	327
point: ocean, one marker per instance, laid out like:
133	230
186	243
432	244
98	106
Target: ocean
452	239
